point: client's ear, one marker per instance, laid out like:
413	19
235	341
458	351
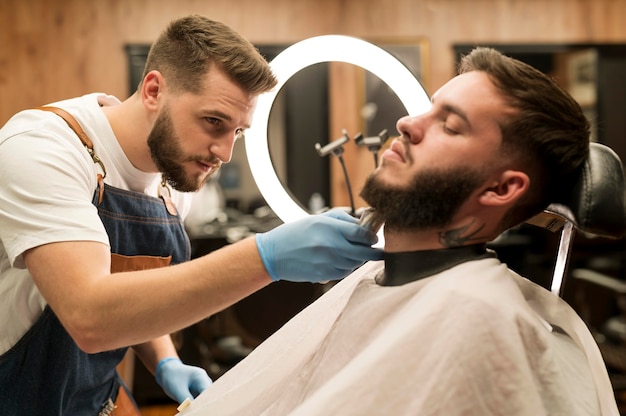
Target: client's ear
506	189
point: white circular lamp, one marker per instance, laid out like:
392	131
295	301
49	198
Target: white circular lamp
328	48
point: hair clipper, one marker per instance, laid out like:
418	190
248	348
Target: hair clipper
369	220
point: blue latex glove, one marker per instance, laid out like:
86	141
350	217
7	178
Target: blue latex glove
180	381
317	248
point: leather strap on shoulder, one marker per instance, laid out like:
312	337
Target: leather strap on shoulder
71	121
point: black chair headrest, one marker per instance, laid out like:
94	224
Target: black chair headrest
596	205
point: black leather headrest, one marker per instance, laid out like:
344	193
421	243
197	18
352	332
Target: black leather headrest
596	205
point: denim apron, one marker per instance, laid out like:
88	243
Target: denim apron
45	373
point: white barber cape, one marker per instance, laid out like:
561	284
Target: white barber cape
476	339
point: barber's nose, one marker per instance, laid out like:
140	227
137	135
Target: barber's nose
410	127
223	147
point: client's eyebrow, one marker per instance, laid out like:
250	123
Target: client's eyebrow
451	108
456	110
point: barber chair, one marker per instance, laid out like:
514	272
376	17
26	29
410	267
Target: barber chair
596	208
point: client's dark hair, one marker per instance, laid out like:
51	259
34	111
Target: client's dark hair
549	133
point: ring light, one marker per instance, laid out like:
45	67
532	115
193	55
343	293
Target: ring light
297	57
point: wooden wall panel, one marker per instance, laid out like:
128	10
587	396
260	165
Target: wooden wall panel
54	49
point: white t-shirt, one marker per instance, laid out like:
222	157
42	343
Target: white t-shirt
48	181
476	339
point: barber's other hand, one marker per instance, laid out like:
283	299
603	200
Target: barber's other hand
180	381
317	248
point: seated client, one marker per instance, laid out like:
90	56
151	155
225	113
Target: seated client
441	326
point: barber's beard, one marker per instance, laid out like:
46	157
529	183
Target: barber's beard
430	201
169	157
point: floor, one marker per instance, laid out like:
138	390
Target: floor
162	410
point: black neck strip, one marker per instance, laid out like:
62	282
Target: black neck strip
405	267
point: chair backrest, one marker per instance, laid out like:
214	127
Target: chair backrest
595	207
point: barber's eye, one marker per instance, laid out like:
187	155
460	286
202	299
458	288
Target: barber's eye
214	121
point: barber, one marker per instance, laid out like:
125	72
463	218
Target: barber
93	197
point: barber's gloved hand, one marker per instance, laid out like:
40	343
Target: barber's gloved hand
180	381
317	248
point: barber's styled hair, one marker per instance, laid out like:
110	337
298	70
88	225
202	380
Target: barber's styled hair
549	133
191	45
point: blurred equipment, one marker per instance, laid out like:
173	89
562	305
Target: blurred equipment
208	206
335	148
373	143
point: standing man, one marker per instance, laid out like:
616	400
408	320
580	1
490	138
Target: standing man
93	195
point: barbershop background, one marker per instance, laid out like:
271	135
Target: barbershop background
56	49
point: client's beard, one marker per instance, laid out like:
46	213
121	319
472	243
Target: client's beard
428	202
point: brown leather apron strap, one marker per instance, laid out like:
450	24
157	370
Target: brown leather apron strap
71	121
122	263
